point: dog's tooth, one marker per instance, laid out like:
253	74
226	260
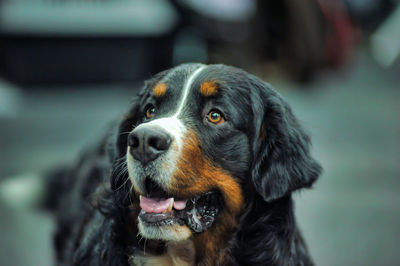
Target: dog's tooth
180	204
171	204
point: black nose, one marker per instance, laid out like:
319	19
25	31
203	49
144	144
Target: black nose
147	143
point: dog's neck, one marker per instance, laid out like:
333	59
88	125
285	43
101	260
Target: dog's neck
268	235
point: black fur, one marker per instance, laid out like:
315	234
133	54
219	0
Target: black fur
263	146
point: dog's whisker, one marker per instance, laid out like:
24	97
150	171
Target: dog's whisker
119	162
118	169
121	167
130	194
144	246
123	133
122	171
123	184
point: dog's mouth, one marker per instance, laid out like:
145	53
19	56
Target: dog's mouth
198	212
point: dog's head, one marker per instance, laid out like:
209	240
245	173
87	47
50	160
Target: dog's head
196	138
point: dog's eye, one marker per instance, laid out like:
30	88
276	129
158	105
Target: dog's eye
150	112
215	117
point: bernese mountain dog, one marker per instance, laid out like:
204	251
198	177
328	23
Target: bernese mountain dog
199	171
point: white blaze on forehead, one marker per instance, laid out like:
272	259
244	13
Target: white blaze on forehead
172	124
186	89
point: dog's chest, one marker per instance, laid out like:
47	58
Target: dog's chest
178	254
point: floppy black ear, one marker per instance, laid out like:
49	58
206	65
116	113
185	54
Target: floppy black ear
282	160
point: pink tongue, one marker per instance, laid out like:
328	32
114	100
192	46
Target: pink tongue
156	205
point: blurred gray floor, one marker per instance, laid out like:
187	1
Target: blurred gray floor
351	217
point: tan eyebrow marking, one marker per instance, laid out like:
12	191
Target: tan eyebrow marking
209	88
160	89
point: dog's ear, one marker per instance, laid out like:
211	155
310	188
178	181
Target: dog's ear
282	162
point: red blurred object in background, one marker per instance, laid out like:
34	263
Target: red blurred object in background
341	35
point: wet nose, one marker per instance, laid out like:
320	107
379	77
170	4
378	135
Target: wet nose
147	143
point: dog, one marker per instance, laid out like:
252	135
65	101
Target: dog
199	171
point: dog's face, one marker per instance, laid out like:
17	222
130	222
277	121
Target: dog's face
199	136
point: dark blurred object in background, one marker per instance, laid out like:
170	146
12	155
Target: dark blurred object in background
46	42
128	40
369	14
297	36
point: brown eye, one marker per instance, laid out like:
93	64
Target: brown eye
215	117
150	112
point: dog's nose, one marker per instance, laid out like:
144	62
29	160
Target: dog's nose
147	143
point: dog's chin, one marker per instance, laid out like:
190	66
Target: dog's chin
167	232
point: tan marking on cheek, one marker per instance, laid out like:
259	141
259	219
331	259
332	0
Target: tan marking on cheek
182	253
263	132
160	89
210	245
209	88
195	175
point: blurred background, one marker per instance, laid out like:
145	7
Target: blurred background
68	67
